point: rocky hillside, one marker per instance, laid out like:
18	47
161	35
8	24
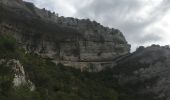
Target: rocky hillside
73	42
28	76
145	73
38	49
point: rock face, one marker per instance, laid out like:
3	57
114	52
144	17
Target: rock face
86	45
20	78
18	73
146	72
81	42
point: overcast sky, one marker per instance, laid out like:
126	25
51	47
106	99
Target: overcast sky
143	22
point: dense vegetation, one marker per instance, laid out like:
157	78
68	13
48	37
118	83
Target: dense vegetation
53	82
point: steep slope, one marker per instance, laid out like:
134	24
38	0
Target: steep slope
146	72
27	76
34	45
73	42
37	47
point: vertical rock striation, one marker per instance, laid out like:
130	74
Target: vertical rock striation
68	40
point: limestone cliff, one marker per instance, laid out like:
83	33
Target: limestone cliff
71	41
48	38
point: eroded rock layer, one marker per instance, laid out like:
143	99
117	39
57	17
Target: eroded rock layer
59	38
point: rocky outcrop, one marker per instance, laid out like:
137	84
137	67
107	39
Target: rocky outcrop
20	78
18	73
146	72
59	38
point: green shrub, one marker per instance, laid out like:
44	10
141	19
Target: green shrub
53	82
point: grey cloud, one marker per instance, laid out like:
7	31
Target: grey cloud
100	7
150	38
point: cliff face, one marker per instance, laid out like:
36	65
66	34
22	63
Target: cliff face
82	44
28	76
70	41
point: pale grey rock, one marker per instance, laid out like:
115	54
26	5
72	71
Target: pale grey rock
19	75
2	61
62	38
